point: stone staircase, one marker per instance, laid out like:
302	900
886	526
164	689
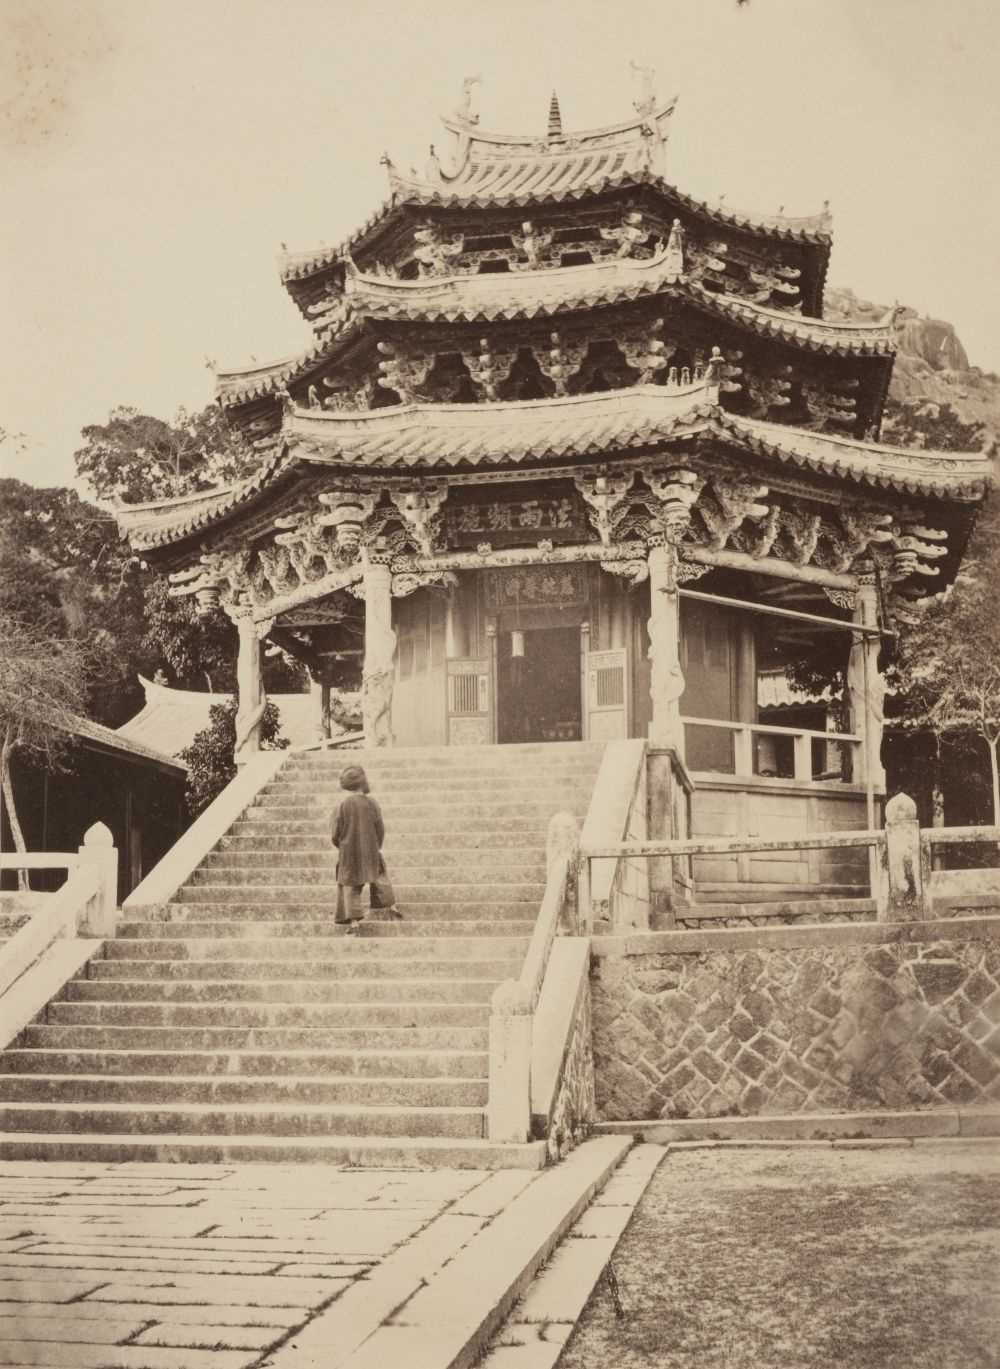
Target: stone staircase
237	1022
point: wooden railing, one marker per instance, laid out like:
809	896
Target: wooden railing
902	884
792	755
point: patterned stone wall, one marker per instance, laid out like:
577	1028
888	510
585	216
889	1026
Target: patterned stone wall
574	1108
768	1025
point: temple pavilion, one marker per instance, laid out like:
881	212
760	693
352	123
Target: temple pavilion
572	455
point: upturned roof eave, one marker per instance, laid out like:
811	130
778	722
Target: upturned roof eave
810	230
858	341
621	421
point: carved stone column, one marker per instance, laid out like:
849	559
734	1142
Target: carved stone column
249	683
866	687
319	706
667	683
380	654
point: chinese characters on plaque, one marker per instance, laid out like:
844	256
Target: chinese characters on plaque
520	521
535	586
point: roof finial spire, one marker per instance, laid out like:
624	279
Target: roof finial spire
555	118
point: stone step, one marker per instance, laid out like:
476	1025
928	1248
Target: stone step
301	991
294	874
439	816
321	911
425	1152
451	846
322	857
287	896
399	756
242	1120
774	893
276	1015
254	926
178	1090
430	828
816	908
425	790
45	1037
258	942
347	968
359	1064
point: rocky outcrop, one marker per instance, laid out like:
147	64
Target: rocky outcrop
932	374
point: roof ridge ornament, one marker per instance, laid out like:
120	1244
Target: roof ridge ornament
645	105
464	113
555	119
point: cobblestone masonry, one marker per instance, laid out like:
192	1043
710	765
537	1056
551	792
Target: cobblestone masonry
745	1031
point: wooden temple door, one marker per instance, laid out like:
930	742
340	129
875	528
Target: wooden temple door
470	713
605	690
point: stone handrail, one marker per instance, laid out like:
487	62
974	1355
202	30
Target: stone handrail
32	968
514	1002
208	828
612	808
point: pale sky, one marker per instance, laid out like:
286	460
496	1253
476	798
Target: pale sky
154	154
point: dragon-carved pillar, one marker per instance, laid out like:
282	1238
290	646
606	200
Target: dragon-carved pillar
380	654
866	687
667	677
249	683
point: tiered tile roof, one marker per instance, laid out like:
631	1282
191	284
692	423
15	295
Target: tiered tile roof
443	437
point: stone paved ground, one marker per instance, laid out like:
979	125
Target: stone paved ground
146	1266
806	1258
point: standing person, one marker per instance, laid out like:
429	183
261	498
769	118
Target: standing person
357	831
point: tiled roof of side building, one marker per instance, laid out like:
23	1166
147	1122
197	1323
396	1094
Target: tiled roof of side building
120	740
174	716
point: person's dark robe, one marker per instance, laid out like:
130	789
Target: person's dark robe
357	832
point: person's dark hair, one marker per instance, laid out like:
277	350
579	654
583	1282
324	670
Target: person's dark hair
354	778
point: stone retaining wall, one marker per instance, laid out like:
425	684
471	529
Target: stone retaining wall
790	1019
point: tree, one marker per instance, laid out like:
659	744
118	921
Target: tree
209	758
43	688
948	668
134	457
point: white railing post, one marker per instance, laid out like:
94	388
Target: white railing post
99	852
803	756
743	752
901	897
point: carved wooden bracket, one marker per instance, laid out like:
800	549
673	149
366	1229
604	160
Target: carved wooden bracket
560	362
533	245
733	501
421	510
404	374
630	234
433	254
604	494
488	370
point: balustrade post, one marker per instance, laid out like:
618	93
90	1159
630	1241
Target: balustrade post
99	852
803	758
743	752
902	895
